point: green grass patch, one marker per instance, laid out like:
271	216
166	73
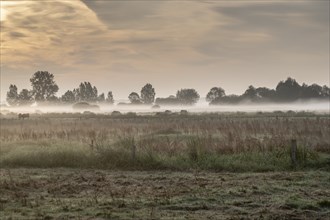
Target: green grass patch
122	155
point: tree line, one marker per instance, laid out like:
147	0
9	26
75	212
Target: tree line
286	91
44	89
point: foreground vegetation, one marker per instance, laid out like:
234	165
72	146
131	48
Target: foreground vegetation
216	142
161	166
99	194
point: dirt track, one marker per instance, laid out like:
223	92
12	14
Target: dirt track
89	194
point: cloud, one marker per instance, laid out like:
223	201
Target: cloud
126	14
50	39
297	25
227	31
15	34
196	43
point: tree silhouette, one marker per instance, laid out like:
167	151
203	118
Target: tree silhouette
12	96
68	97
215	93
251	93
148	94
266	94
187	96
86	92
25	97
110	98
44	88
134	98
43	85
288	90
101	98
53	99
312	91
171	100
229	99
325	92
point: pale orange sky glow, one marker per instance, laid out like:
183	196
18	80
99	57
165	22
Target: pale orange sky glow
121	45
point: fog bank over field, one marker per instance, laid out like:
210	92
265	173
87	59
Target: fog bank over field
200	107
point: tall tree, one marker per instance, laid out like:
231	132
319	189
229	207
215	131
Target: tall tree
215	93
43	85
187	96
148	94
12	95
86	92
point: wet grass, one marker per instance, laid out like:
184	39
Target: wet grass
76	193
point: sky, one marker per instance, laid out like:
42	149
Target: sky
120	46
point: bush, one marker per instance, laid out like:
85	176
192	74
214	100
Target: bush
85	106
116	113
184	112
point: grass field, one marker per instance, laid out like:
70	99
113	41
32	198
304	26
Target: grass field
87	194
165	166
218	142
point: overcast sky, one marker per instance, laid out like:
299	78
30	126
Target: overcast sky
121	45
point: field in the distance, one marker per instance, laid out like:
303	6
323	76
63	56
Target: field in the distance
170	166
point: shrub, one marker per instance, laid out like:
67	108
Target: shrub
85	106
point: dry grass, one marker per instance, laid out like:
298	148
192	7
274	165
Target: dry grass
107	152
232	142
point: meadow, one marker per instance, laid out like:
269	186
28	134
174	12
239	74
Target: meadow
165	165
174	141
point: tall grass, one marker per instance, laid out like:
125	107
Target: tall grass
195	155
208	142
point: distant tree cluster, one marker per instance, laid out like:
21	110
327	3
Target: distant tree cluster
86	92
147	95
44	89
171	100
183	97
286	91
